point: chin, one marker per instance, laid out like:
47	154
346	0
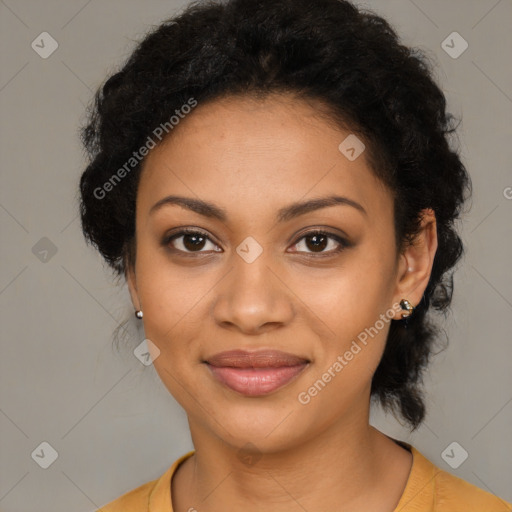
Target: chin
268	427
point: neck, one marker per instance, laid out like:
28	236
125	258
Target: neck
346	463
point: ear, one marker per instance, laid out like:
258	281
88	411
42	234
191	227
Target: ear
132	286
415	265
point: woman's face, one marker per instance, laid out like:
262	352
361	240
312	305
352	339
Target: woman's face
257	278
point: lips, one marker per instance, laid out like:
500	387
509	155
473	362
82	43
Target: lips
255	373
259	359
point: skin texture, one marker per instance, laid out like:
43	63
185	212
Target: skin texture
252	158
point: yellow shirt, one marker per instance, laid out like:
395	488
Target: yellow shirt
428	489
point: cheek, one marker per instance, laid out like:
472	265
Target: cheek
352	316
348	298
170	294
178	363
346	363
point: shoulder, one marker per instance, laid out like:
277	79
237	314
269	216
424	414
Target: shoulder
136	499
453	494
430	489
154	496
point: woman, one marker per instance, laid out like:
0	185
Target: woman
274	181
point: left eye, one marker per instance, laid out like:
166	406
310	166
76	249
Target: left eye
317	241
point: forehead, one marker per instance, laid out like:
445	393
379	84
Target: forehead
255	154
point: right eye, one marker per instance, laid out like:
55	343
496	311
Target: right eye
189	241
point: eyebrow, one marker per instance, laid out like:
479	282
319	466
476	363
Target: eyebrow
284	214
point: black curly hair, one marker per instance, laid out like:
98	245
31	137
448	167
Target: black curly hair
348	60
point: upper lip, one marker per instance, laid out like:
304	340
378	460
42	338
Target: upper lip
255	359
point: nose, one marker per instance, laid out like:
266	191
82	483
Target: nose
253	298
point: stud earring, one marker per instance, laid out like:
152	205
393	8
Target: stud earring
408	307
139	314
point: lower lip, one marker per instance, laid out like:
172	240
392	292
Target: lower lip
256	381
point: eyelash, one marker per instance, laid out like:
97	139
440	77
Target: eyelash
188	231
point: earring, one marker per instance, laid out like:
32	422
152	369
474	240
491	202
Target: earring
408	307
139	314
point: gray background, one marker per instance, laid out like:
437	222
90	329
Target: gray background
112	423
